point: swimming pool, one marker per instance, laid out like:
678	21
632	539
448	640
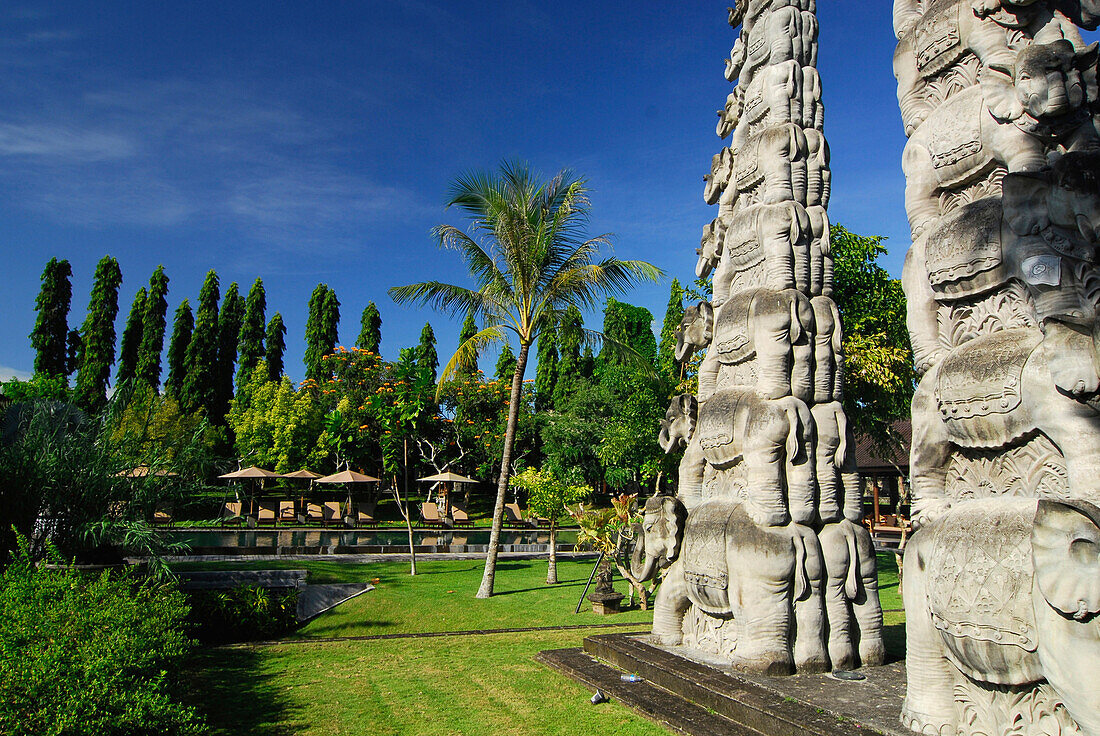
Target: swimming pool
360	541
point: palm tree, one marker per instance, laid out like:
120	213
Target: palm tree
529	254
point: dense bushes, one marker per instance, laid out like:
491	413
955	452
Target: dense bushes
245	613
86	654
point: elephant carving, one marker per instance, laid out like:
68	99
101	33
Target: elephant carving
839	494
819	177
678	431
711	245
785	34
769	244
695	331
1042	234
718	180
828	351
1012	123
991	392
771	167
768	579
1001	600
773	329
774	439
852	605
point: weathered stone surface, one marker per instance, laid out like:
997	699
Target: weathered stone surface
998	98
766	566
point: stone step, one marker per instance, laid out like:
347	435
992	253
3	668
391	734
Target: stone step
653	702
739	700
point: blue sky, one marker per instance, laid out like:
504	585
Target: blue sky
314	142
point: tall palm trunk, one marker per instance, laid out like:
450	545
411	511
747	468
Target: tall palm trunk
552	567
486	589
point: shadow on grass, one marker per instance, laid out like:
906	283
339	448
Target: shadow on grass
232	690
893	636
323	631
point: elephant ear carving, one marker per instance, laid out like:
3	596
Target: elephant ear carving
1065	547
673	517
1000	97
1025	203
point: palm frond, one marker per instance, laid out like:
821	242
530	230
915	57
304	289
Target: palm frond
619	351
468	350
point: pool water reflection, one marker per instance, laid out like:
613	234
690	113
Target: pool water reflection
272	539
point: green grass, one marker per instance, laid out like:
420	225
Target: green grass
441	596
485	684
463	685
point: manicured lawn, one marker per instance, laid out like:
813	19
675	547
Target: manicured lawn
465	685
441	596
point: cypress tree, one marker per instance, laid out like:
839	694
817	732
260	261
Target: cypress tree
427	358
51	328
315	338
183	324
200	379
275	339
587	364
229	330
152	336
546	370
468	368
250	343
131	339
370	330
98	335
330	322
570	337
506	365
666	352
627	325
74	350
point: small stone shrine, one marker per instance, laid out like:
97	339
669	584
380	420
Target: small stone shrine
1002	577
769	567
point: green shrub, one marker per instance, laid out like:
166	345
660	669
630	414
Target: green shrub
84	654
244	613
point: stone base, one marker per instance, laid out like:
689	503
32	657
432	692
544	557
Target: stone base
692	697
604	604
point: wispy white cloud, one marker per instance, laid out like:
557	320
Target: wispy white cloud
7	373
68	144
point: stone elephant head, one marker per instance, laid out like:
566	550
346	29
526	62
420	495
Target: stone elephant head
772	165
721	172
679	423
1050	82
1067	196
695	331
710	246
662	532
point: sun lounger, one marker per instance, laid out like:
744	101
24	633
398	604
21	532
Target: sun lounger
429	514
331	512
514	517
286	512
231	511
268	512
162	515
314	513
459	516
364	515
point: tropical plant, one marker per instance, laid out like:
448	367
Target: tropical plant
199	388
131	338
531	259
250	341
611	532
95	655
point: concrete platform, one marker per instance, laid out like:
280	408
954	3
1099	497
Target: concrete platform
693	697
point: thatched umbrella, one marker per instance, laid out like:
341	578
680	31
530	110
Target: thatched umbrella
347	477
448	479
250	473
